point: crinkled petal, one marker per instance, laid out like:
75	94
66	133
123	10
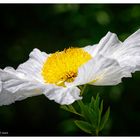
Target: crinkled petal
128	54
32	67
0	85
13	88
62	95
106	45
100	71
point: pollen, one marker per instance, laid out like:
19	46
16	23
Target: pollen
61	67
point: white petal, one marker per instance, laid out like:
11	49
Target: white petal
14	89
8	73
133	37
62	95
0	85
32	67
100	71
128	54
91	49
106	45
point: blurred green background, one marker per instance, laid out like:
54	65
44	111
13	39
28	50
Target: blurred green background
55	27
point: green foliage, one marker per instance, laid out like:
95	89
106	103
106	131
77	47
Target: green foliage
105	119
71	109
85	126
92	118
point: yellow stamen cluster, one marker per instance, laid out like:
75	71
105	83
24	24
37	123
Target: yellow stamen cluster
63	66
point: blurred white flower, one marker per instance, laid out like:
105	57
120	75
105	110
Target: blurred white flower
58	75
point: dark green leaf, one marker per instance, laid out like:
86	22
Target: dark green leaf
85	112
91	105
100	113
88	113
81	104
85	126
105	118
101	106
92	116
96	102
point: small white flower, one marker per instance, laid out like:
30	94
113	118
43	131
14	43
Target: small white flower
58	75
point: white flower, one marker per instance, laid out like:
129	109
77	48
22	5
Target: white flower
58	75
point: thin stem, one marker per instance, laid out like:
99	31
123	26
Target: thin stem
97	132
80	87
82	92
83	89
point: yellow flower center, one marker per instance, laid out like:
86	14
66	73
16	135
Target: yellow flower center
61	67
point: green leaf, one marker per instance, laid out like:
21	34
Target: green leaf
64	107
92	122
91	105
93	117
100	113
101	106
81	104
71	109
85	126
96	102
105	119
84	110
88	113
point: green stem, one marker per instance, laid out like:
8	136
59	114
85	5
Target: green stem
97	132
80	87
83	89
79	101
